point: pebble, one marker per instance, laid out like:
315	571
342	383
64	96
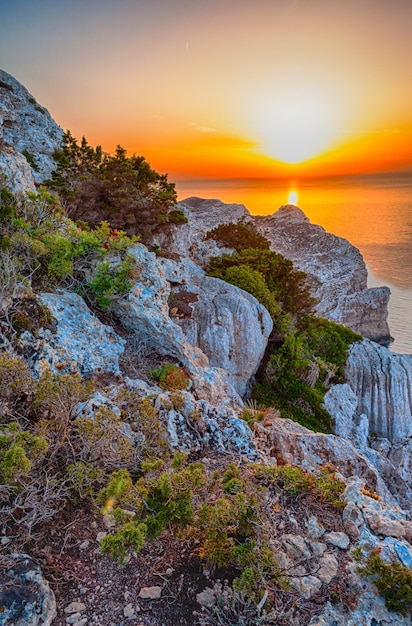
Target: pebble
84	544
150	593
100	536
340	540
75	607
128	611
73	618
81	622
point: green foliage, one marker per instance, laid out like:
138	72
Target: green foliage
162	497
15	378
31	160
239	237
18	448
305	354
287	285
38	241
324	486
130	534
109	282
126	191
176	216
7	204
394	582
253	282
170	376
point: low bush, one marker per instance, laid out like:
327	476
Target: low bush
394	581
170	376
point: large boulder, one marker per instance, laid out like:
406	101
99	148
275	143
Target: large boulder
27	131
336	272
80	343
145	312
228	324
289	443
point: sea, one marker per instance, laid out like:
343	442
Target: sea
374	212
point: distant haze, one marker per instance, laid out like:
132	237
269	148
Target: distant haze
223	88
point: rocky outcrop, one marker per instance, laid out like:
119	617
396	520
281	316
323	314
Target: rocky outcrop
228	324
188	240
80	343
15	172
336	272
290	443
25	596
28	136
382	382
374	410
206	338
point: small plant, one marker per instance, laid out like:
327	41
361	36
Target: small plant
177	216
394	581
18	448
170	376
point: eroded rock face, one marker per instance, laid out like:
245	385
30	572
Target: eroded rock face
374	409
382	382
80	344
228	324
217	331
336	272
25	127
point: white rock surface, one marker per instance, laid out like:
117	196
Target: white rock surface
335	268
25	126
228	324
81	342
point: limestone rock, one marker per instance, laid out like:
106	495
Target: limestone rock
203	216
150	593
81	342
228	324
290	443
145	312
27	127
15	173
338	539
382	382
25	596
336	272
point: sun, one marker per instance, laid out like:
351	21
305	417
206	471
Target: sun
297	125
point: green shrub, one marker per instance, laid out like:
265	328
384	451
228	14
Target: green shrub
18	448
239	236
394	582
177	216
170	376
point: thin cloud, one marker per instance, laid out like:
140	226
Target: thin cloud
202	129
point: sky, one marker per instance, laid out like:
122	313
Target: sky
223	88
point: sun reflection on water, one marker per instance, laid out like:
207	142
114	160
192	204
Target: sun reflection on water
293	197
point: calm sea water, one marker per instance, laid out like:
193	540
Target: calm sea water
372	212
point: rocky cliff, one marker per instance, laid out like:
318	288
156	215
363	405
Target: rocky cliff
28	136
336	272
117	438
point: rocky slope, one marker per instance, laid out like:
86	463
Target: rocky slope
218	334
28	136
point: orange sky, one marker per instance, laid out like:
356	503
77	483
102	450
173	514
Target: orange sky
224	88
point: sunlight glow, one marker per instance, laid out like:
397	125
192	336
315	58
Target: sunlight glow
298	124
293	197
